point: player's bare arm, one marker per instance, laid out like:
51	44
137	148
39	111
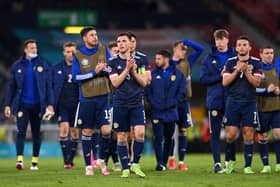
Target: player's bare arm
118	79
228	78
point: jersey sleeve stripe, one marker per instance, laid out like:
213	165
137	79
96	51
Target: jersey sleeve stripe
258	74
113	74
84	76
226	74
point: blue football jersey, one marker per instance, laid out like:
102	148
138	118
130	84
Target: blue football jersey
240	89
129	93
70	90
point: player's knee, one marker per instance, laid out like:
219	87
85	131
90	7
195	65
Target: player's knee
74	135
276	135
87	132
248	142
63	132
122	137
182	129
230	136
140	134
263	136
139	131
105	130
248	135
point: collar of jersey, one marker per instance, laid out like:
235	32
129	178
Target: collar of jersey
88	51
267	66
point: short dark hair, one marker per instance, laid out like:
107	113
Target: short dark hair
132	35
243	37
69	44
85	30
176	43
124	34
112	44
265	47
26	42
164	53
220	34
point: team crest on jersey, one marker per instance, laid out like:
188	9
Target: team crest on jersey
115	125
214	113
119	67
20	114
158	77
80	121
40	69
59	72
19	70
214	62
59	118
155	121
250	67
173	77
84	62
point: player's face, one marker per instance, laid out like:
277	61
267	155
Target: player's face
267	55
123	44
180	51
160	61
221	43
91	38
68	53
31	48
243	47
133	44
114	51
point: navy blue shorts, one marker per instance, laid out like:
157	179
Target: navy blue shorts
124	118
184	111
67	112
241	114
93	114
269	120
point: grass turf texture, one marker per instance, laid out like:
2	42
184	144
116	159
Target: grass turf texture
200	173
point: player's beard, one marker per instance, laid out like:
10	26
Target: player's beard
159	65
92	44
243	53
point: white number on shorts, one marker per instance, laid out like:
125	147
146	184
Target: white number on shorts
69	78
108	113
255	118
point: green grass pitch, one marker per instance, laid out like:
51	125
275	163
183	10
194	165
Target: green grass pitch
51	173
